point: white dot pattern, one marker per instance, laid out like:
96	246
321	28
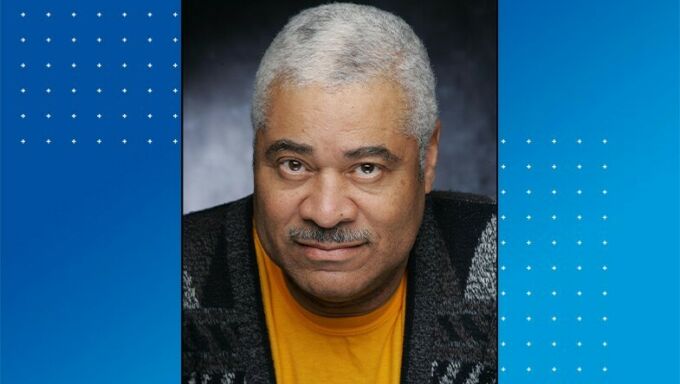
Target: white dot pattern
69	64
553	259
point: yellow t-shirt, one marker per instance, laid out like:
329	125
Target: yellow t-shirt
308	348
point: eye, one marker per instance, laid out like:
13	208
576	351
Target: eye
292	166
368	171
367	168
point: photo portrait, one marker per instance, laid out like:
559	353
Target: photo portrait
339	192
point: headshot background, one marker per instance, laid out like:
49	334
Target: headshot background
223	44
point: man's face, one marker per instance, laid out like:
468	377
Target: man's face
338	200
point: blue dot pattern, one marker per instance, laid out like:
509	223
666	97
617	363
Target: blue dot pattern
90	146
553	258
93	74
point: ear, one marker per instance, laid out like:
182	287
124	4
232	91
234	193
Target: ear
431	152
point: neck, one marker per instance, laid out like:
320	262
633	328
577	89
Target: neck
373	299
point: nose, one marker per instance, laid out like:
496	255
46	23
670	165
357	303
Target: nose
328	203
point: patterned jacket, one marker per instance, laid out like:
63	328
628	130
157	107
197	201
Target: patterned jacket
450	334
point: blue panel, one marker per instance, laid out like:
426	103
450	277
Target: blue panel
90	199
589	295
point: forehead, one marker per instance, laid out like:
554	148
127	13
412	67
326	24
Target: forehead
374	110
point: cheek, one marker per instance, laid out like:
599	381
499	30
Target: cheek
276	206
275	209
396	213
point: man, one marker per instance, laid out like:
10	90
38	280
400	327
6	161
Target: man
343	266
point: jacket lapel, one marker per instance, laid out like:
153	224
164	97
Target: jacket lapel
253	339
441	337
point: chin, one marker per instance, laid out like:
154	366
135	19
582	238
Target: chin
333	287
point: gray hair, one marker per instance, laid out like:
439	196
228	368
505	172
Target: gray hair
340	43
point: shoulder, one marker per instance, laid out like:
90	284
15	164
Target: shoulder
468	224
202	229
212	219
463	218
211	237
453	207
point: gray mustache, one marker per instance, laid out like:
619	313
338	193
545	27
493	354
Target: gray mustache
331	235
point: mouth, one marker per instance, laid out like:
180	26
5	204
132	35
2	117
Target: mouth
330	246
335	252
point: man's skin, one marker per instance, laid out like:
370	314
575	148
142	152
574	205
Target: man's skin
339	160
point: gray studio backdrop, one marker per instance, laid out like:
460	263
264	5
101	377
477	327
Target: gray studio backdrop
222	46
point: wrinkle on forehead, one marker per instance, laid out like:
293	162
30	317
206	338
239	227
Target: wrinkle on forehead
379	101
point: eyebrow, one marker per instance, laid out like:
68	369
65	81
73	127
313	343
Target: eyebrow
284	145
287	145
372	151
